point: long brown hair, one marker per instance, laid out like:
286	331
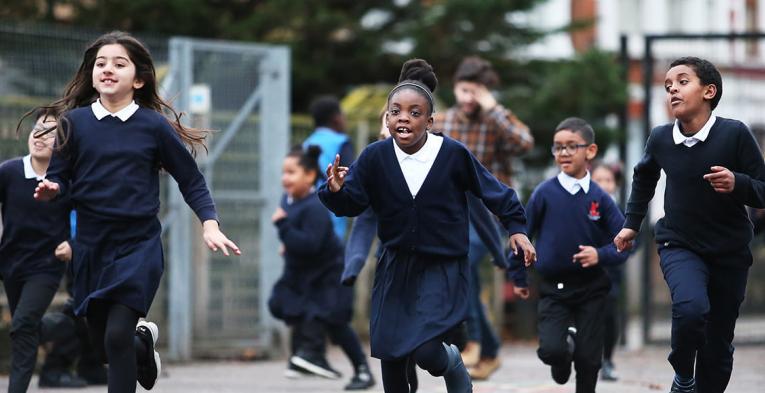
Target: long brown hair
80	91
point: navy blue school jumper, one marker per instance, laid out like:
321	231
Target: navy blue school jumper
111	168
422	279
31	229
703	239
309	287
569	293
28	267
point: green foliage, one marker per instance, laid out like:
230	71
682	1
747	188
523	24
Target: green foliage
589	86
335	44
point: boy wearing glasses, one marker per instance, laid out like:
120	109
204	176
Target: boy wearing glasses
573	221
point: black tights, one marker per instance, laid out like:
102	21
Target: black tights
430	356
112	330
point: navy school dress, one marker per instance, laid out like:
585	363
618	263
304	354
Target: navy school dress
111	168
422	278
31	229
309	288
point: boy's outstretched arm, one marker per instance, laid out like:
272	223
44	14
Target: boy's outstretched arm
645	176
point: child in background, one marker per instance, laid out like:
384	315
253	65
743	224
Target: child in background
113	138
309	296
422	278
605	176
573	220
32	230
714	170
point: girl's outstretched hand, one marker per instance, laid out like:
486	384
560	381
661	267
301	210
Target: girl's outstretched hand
215	239
519	241
336	175
46	190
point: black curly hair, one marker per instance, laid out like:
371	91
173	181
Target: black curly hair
707	73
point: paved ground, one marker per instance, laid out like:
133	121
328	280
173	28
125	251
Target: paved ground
641	371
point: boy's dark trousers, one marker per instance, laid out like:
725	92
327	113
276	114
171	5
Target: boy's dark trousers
706	295
577	300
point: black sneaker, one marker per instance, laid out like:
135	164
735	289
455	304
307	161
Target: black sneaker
315	364
150	367
561	373
294	371
362	379
60	379
607	371
676	388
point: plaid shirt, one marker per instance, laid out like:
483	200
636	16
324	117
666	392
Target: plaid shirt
494	137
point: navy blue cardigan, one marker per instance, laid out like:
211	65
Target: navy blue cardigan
365	229
435	222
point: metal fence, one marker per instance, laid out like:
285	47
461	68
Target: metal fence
207	305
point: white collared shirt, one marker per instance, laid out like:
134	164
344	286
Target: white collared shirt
123	114
29	171
416	167
573	185
700	136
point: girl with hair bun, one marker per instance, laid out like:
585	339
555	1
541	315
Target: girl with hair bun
422	279
309	297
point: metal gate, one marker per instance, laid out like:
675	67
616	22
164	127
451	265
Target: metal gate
216	304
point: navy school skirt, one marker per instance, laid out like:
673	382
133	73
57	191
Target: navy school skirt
415	299
303	294
120	261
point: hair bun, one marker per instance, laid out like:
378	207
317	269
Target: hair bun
419	70
313	151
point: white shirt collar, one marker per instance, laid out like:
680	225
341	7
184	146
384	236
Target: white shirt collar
700	136
29	172
426	154
573	185
123	114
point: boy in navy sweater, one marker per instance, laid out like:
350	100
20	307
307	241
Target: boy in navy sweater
714	170
574	221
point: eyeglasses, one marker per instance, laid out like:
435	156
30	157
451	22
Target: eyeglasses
569	149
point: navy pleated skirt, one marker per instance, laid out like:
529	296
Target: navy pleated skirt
116	260
414	300
312	292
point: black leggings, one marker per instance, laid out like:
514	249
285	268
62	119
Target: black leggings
112	330
430	356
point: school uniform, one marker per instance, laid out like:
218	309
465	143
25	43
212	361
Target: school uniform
703	238
422	279
28	267
364	231
111	164
308	296
309	287
564	213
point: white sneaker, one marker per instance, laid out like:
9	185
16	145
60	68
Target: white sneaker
148	369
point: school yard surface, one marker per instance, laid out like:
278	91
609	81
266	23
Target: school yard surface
641	371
